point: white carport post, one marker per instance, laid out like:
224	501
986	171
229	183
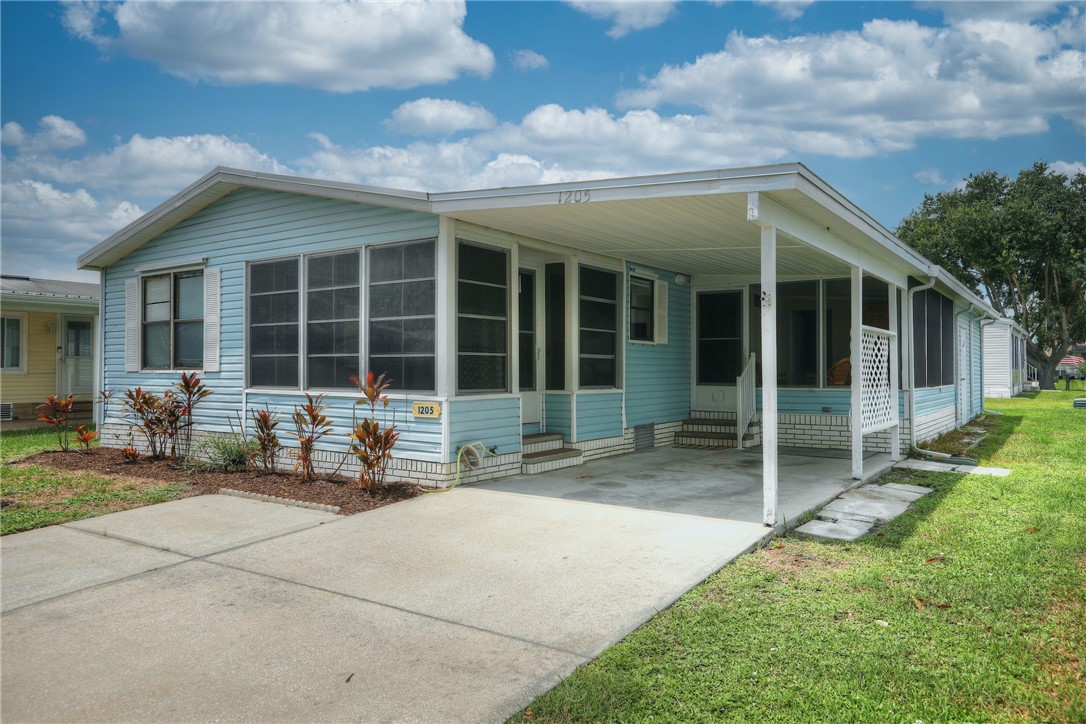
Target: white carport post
769	374
857	353
895	375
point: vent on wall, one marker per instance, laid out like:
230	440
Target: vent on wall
5	412
644	437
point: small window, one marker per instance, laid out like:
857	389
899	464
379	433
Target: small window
402	296
642	310
332	314
173	321
273	323
482	292
598	327
11	342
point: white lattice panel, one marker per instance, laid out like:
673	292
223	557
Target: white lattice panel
877	399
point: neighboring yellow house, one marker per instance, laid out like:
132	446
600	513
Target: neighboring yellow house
48	344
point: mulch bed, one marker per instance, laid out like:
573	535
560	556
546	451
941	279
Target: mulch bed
107	462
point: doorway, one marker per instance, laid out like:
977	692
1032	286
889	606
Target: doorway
76	356
530	345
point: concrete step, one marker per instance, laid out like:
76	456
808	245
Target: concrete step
541	442
547	460
715	439
705	424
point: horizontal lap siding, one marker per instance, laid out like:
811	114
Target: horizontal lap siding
420	438
658	375
248	225
599	415
977	365
557	418
493	421
933	399
997	360
39	360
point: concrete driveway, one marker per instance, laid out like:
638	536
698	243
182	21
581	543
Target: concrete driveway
457	606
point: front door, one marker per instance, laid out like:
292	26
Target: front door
718	349
530	340
77	357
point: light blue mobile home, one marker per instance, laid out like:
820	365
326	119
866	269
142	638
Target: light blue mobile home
553	324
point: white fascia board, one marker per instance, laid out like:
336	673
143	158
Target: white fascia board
23	303
701	183
766	211
175	209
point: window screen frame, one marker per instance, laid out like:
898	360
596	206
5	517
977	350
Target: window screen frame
619	324
172	275
367	318
458	315
21	318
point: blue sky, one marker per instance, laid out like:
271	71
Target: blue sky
109	109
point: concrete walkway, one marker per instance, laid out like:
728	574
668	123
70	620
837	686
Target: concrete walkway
458	606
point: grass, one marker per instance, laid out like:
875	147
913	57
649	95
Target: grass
41	496
969	607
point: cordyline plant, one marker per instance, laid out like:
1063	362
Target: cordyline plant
268	445
372	444
310	425
166	419
55	411
85	437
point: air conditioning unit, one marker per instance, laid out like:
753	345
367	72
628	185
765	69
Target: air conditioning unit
5	412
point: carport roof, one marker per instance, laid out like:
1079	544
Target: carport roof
698	222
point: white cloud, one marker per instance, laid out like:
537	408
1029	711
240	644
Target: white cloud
626	15
46	228
1068	168
880	89
930	176
787	9
435	116
54	134
145	166
528	60
339	47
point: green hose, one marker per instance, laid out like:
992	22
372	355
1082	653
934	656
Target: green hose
478	449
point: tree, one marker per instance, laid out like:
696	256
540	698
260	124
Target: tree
1021	245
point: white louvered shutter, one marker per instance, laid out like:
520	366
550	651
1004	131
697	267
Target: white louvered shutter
660	313
132	325
212	278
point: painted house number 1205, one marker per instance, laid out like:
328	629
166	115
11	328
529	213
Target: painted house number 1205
574	197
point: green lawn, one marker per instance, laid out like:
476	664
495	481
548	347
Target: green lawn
42	496
970	607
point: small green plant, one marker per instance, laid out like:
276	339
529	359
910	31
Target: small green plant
85	437
55	411
310	425
372	444
267	441
222	452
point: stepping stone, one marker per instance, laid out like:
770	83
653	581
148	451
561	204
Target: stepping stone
925	465
919	489
877	492
878	509
837	531
846	518
970	428
980	470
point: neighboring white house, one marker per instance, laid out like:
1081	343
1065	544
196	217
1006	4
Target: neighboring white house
607	315
1004	358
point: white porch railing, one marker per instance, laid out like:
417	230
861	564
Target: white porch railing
878	403
744	401
1031	373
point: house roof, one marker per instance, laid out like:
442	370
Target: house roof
51	291
697	221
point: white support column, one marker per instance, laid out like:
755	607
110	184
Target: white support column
769	374
895	375
856	411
